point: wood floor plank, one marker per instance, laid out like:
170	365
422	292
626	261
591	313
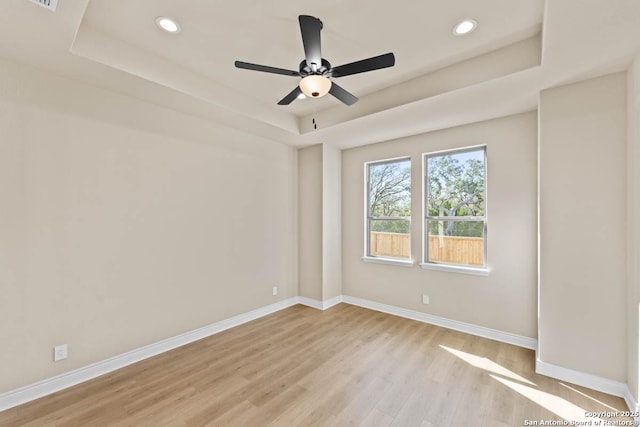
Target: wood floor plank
362	404
301	366
376	418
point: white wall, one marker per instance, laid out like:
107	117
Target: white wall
331	222
506	299
633	222
320	222
583	132
310	221
123	223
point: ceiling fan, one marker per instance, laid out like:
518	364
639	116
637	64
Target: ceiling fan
317	72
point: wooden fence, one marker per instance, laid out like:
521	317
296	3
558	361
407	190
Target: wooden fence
394	245
450	249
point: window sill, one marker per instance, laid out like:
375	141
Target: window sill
388	261
476	271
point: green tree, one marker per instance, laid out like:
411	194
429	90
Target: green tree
456	189
390	196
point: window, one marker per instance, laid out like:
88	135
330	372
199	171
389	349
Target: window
389	209
455	208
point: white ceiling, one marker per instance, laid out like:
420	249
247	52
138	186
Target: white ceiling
439	80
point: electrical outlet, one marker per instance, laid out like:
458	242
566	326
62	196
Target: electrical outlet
60	352
425	299
275	290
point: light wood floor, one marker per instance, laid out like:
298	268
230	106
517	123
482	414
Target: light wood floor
301	366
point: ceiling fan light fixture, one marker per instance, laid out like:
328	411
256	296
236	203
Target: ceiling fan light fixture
167	24
464	27
315	86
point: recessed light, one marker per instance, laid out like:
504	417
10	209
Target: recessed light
464	27
302	96
167	24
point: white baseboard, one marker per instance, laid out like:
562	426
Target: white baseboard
51	385
309	302
468	328
34	391
594	382
320	305
631	402
331	302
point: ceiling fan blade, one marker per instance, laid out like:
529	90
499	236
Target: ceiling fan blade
342	94
266	69
290	97
310	28
370	64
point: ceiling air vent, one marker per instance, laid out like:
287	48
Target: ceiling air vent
49	4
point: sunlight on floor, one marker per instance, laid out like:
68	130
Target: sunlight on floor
555	404
486	364
609	407
559	406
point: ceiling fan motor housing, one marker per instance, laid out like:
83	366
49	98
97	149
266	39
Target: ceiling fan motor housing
323	70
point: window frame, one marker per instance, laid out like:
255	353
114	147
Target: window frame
368	217
482	270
